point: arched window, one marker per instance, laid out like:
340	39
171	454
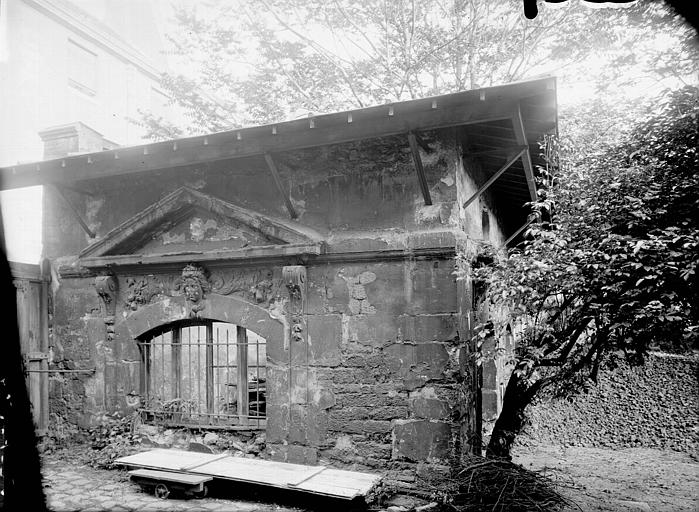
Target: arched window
203	372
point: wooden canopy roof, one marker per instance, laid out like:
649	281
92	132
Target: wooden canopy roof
500	128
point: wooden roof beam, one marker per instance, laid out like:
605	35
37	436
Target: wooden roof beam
417	160
521	137
494	177
278	182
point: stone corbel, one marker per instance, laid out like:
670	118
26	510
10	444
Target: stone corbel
295	279
107	286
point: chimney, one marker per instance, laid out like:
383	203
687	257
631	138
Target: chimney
72	139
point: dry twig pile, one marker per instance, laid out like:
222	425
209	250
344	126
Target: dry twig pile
480	484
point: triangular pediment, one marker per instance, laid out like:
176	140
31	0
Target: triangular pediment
188	220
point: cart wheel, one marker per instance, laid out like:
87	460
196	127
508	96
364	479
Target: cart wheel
203	493
161	491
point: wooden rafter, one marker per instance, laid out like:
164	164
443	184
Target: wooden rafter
521	137
417	160
494	177
277	180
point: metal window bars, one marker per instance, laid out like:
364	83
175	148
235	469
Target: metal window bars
204	373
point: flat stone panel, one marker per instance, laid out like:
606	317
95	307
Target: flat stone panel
489	401
128	375
427	360
277	384
297	424
421	440
432	359
427	328
299	390
430	408
433	286
316	425
278	452
324	339
302	455
73	300
277	423
490	374
371	330
359	426
327	291
321	397
432	239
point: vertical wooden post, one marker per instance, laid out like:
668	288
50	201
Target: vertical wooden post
45	276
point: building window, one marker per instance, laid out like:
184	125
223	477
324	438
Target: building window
204	373
82	68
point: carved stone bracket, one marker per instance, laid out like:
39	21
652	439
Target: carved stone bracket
295	279
20	284
107	287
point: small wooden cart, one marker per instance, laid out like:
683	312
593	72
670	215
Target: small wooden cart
164	482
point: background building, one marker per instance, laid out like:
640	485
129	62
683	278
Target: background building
96	62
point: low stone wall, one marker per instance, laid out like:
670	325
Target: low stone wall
652	406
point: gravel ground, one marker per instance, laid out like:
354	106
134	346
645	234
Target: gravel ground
622	480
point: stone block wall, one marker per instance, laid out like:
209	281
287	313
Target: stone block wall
378	374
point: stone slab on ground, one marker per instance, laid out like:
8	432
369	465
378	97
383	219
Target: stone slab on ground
73	486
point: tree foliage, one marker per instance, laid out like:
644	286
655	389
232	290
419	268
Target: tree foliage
611	266
260	61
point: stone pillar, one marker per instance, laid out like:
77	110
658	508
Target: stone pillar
295	374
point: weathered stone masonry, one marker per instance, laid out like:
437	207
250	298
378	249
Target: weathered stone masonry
367	328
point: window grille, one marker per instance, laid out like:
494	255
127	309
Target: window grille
204	373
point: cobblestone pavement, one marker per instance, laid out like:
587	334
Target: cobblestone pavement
71	486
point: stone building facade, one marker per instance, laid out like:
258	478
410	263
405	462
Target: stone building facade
329	241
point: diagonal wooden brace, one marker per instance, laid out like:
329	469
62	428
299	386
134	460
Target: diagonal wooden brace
278	182
75	211
494	177
418	167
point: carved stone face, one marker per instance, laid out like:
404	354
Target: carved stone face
193	290
194	283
